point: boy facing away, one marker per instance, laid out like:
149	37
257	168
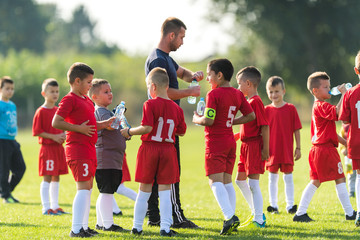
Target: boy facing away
75	115
254	148
162	120
110	149
11	159
349	113
324	159
284	125
222	105
52	161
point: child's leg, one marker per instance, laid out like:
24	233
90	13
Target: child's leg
289	190
44	193
127	192
351	182
87	211
105	205
54	192
141	204
232	194
357	190
221	195
257	197
306	196
245	189
165	207
343	196
79	209
99	220
273	189
115	207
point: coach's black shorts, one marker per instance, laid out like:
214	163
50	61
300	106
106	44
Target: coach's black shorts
108	180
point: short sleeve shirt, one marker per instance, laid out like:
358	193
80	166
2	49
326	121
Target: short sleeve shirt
8	120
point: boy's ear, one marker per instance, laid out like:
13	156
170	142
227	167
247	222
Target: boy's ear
43	93
356	71
220	75
77	80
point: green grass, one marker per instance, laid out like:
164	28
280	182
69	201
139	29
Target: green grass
25	221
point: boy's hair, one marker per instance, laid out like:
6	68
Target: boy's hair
96	85
5	79
357	60
250	73
171	24
275	80
159	77
49	82
222	65
79	70
314	80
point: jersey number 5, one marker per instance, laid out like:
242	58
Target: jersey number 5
158	137
230	116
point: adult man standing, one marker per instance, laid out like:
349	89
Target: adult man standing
172	35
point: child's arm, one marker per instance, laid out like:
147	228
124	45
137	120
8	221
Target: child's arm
59	123
343	90
342	140
244	119
297	154
59	138
140	130
202	120
265	136
105	124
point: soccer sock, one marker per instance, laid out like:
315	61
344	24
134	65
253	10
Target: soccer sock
357	191
289	190
127	192
273	189
165	210
306	197
44	195
78	209
99	220
106	209
87	210
115	207
343	196
257	199
223	200
232	194
54	195
246	192
140	208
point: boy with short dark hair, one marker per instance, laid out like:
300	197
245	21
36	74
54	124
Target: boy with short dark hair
324	159
222	104
52	161
284	125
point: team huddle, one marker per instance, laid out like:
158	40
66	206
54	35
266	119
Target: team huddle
94	148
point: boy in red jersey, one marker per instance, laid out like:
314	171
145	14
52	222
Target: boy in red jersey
222	105
284	124
254	148
324	159
75	115
52	161
162	119
349	113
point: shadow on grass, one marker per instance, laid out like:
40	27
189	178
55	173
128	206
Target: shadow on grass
2	224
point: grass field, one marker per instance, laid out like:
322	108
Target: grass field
25	221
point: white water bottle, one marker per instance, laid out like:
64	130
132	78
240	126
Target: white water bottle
335	91
124	123
201	107
191	99
120	109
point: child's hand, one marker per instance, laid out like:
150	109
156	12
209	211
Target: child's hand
196	117
297	154
125	133
87	130
59	138
265	154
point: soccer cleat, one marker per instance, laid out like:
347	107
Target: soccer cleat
302	218
351	194
255	224
81	234
134	231
352	217
264	218
293	209
50	212
185	224
91	231
60	211
10	199
248	221
357	221
14	199
230	225
171	233
272	210
115	228
153	224
118	214
98	227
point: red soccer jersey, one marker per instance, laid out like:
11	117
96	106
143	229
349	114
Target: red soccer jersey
76	110
253	129
226	101
323	128
42	123
283	122
166	118
350	112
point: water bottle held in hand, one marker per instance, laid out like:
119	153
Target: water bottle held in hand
335	91
124	123
191	99
120	109
201	107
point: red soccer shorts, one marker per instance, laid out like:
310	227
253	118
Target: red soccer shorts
52	160
325	163
220	161
250	157
157	160
285	168
83	169
125	171
355	164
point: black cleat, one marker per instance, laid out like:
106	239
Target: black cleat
115	228
118	214
91	231
302	218
171	233
97	227
272	210
153	224
134	231
230	225
292	210
81	234
185	224
353	217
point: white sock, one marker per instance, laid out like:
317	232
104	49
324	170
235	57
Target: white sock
273	189
343	196
165	210
289	190
357	191
44	195
140	209
232	194
78	209
257	199
306	197
115	207
127	192
106	209
54	195
87	210
223	200
246	192
99	220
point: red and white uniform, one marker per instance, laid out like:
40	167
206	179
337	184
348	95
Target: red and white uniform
51	156
220	145
250	135
157	153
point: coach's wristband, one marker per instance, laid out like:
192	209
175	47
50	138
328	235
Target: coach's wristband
129	132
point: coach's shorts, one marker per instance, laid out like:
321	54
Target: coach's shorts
52	160
220	161
157	160
325	164
82	169
250	157
108	180
285	168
